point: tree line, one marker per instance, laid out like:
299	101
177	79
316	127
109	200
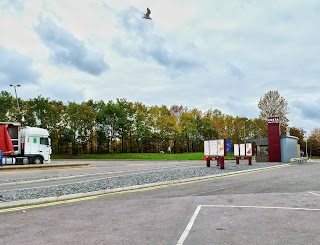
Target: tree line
124	126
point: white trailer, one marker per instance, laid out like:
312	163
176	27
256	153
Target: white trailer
24	145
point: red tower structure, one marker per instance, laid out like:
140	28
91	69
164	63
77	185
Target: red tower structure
274	147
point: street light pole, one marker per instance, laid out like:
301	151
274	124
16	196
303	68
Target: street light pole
244	130
307	147
15	90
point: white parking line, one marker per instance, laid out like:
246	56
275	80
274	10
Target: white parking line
261	207
195	214
189	226
314	193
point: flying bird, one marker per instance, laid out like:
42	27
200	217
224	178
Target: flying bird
147	15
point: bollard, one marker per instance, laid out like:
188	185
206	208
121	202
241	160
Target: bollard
237	160
208	162
221	161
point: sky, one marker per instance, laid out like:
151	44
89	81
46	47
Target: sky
204	54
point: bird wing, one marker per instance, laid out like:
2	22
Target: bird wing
148	12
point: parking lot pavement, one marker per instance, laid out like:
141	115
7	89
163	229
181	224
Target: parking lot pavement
275	206
256	219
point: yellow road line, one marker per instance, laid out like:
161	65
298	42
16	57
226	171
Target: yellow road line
79	199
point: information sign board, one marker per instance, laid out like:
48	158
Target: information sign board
236	150
214	147
249	150
206	148
220	146
242	149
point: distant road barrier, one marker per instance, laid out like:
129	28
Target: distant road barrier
299	160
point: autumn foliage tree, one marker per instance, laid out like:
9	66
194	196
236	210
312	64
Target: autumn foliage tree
314	142
272	105
123	126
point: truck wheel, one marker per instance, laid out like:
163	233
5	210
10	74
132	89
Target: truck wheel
26	161
37	160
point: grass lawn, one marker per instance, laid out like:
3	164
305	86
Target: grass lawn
139	156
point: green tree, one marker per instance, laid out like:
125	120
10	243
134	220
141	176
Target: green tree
43	113
81	121
219	122
6	108
156	121
123	126
124	121
258	128
56	122
113	123
178	142
300	133
207	129
189	130
238	133
230	129
103	127
141	130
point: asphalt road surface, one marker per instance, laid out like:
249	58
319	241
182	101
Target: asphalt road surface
275	206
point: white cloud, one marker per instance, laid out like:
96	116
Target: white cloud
200	54
140	40
68	50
